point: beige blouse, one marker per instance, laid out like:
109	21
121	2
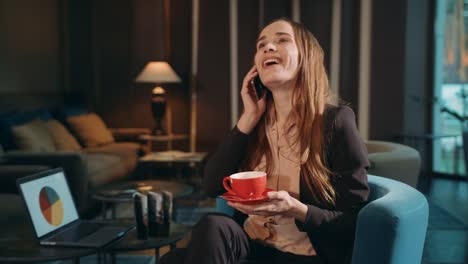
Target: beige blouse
278	231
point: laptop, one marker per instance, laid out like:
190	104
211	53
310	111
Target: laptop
54	217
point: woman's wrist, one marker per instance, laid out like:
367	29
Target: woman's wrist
299	210
247	123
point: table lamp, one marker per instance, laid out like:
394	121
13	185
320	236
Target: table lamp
158	72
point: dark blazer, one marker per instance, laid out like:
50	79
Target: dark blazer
330	229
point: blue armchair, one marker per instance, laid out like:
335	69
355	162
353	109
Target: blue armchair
391	229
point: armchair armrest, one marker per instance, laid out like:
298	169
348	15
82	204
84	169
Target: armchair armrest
128	134
73	163
10	173
399	214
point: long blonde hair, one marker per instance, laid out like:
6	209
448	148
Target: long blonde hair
311	96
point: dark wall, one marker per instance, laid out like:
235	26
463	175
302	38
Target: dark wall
79	65
147	45
387	71
179	54
248	30
113	45
213	74
349	53
275	9
399	70
112	57
105	44
316	16
30	54
91	51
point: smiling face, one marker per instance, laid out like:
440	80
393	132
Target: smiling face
277	55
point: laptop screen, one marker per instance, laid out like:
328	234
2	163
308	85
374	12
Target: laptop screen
49	202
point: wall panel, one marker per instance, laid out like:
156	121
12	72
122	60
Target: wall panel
248	30
316	16
275	9
387	71
30	47
349	55
213	74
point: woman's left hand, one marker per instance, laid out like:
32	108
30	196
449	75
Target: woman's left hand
279	203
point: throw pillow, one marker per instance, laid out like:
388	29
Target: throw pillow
63	139
33	136
90	129
12	118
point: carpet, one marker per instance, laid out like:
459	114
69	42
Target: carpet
191	215
440	218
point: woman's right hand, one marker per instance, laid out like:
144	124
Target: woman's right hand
253	107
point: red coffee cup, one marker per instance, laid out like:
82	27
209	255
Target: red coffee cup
248	184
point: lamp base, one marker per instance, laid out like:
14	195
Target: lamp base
158	128
159	132
158	108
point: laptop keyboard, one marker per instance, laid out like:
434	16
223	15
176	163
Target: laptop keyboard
76	232
105	235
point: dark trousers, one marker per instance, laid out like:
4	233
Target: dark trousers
217	238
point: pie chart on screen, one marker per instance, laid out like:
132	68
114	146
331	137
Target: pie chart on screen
51	206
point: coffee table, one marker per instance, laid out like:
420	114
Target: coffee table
131	243
29	251
22	247
121	192
175	159
18	242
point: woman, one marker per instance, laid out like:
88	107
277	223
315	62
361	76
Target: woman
312	153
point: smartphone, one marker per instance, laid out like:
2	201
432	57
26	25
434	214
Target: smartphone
260	89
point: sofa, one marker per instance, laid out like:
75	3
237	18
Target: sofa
87	166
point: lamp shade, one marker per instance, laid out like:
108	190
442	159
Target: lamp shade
158	72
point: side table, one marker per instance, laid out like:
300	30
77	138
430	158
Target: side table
149	139
176	159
